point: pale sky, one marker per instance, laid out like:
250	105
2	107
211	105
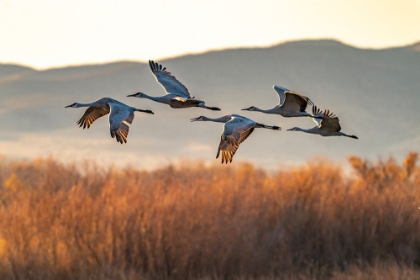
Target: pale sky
52	33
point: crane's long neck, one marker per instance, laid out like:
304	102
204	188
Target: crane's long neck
223	119
160	99
268	111
313	130
78	105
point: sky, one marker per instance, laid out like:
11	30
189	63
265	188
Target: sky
53	33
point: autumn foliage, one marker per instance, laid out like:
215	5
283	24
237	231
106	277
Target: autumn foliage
194	221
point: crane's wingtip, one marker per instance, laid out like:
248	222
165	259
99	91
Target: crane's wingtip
276	87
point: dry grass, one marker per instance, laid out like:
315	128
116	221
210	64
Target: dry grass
218	222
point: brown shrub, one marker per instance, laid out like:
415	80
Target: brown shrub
208	222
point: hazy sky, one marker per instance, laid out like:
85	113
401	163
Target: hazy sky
47	33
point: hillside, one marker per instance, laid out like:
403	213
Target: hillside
373	92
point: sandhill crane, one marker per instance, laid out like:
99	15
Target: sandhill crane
291	104
328	126
236	129
177	95
121	115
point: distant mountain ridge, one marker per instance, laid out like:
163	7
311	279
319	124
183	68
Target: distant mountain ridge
5	68
374	93
11	69
415	47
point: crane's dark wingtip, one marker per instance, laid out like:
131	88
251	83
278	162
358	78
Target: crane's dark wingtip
152	65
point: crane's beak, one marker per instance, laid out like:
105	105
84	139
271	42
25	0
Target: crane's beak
194	119
68	106
132	95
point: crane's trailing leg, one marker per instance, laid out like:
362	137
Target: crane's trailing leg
269	126
202	105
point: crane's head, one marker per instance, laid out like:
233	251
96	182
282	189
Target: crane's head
74	105
138	94
200	118
252	108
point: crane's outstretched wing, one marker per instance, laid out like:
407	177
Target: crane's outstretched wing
90	115
317	112
119	120
330	122
280	91
235	132
296	101
180	98
292	101
168	81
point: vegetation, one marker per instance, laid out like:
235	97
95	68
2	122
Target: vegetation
316	221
